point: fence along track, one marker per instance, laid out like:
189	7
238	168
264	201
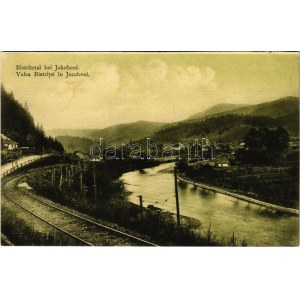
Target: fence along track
99	225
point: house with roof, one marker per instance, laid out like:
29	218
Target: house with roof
221	162
7	145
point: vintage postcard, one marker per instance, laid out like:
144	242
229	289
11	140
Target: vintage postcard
150	148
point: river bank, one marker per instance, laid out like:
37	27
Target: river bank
223	214
239	196
159	226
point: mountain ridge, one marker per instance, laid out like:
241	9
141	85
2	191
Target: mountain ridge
275	108
224	124
215	109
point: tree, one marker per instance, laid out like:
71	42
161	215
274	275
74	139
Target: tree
18	124
253	139
264	146
282	139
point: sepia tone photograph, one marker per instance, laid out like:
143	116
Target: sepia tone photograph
150	149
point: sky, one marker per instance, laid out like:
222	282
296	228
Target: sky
161	87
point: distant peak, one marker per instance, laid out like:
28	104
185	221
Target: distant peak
217	109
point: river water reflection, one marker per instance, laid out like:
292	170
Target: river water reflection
259	225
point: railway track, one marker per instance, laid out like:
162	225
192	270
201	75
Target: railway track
81	228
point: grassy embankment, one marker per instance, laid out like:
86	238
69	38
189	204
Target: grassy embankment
22	233
109	205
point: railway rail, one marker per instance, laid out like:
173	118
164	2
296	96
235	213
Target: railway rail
83	229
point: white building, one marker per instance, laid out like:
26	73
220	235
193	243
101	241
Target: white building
7	144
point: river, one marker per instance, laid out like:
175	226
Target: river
259	225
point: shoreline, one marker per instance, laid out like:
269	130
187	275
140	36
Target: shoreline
292	211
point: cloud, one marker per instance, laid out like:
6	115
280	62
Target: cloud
156	70
192	77
154	79
158	90
151	90
159	76
154	89
125	87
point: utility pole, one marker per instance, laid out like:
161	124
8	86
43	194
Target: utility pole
66	173
72	172
95	187
141	205
176	196
52	177
60	181
84	194
80	182
69	181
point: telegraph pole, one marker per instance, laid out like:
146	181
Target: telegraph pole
80	182
84	194
52	177
69	178
95	187
66	173
141	205
176	196
60	181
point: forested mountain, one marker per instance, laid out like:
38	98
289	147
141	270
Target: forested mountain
118	134
74	143
81	140
18	124
221	123
217	109
124	133
274	109
77	132
231	125
224	128
291	122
